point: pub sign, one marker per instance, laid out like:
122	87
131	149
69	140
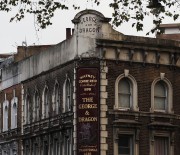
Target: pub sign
88	134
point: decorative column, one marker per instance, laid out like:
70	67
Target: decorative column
103	108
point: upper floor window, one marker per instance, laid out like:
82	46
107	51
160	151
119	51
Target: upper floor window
56	99
36	106
46	100
27	109
67	95
126	92
5	115
14	104
161	95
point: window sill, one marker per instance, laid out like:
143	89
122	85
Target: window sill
160	111
144	114
163	111
123	109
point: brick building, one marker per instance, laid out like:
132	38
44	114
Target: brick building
97	92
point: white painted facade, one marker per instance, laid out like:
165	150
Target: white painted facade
175	30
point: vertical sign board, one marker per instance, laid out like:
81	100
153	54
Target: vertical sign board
88	133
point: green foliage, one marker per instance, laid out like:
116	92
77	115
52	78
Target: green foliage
123	11
137	10
42	9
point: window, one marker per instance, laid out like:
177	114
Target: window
56	147
36	107
56	99
66	143
46	148
162	137
161	95
161	146
126	92
14	103
35	150
125	145
5	153
126	137
27	109
126	141
27	150
5	115
0	74
46	104
68	90
12	148
67	96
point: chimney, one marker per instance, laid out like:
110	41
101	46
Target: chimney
171	31
68	33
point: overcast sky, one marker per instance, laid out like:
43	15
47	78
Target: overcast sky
13	34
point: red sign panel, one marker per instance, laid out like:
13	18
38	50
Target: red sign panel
88	133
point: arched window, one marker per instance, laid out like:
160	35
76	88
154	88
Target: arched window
67	95
14	104
27	109
126	92
36	106
56	102
161	95
46	103
5	115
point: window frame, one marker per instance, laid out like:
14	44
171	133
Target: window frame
165	97
27	110
67	97
26	150
166	144
35	149
133	89
169	97
162	134
55	148
56	99
36	106
45	148
45	103
130	132
14	112
130	145
5	115
122	93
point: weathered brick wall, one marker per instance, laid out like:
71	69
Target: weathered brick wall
9	97
11	137
49	78
144	75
